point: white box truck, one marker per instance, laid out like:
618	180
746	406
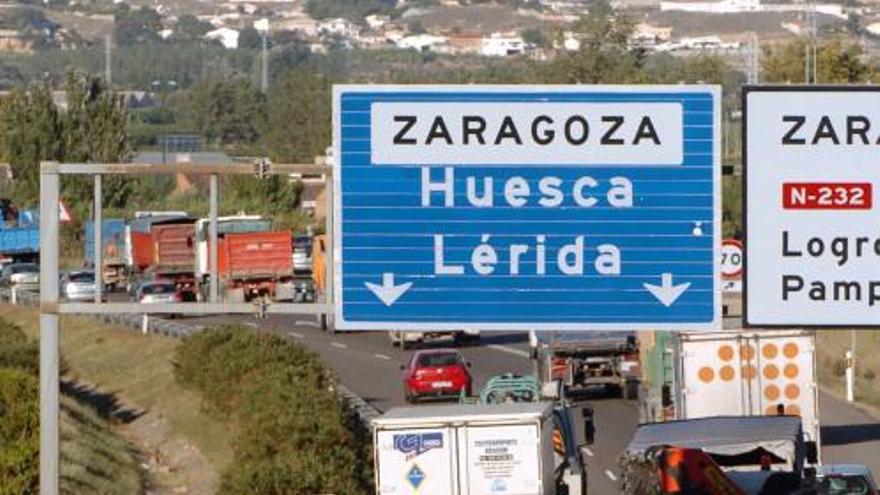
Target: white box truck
471	449
749	373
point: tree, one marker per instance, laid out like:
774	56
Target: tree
836	63
534	36
32	129
190	28
136	26
604	55
298	127
250	39
94	130
227	112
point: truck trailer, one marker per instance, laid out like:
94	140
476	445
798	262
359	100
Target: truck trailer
113	251
163	247
748	373
472	449
254	261
588	359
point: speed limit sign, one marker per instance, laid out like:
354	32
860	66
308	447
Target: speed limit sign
731	259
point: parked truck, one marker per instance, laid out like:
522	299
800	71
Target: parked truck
19	234
473	449
748	373
254	261
588	359
113	251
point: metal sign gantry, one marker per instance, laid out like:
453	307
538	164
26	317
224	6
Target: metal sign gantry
51	307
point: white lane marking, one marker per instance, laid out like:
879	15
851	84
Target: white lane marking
610	475
305	323
337	344
382	356
588	451
297	335
509	350
251	324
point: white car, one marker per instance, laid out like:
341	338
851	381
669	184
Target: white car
24	276
158	291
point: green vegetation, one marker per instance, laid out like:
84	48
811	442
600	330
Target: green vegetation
140	370
32	129
291	433
838	63
132	26
354	10
93	458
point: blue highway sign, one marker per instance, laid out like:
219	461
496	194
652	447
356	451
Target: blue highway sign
527	207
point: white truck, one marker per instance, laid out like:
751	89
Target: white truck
748	373
514	448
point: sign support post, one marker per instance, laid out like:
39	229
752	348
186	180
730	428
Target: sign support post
49	338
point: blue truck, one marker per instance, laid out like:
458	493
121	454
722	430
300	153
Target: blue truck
19	234
114	251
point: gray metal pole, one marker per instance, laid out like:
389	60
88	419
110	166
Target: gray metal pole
329	257
49	345
99	241
212	250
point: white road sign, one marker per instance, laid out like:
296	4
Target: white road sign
812	234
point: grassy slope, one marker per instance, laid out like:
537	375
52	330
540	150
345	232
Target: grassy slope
832	346
137	368
94	459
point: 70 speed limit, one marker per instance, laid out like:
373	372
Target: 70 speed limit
731	259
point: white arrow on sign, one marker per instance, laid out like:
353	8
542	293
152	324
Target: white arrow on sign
667	293
388	293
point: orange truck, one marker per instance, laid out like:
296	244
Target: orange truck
255	264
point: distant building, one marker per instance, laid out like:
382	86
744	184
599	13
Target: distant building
376	21
740	6
12	41
228	37
500	45
421	42
339	27
464	43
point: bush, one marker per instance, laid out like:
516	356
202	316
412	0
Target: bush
292	435
839	367
869	374
19	432
16	351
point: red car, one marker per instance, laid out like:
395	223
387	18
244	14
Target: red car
436	373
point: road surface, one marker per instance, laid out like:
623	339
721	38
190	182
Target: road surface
368	365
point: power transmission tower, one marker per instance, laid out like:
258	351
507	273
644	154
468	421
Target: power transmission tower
811	60
752	62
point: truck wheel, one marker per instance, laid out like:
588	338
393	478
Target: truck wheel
631	390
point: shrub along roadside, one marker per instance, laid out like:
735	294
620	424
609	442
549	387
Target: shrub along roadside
93	458
292	435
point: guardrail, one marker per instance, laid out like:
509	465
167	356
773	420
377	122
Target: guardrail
363	411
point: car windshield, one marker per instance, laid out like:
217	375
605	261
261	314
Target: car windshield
303	243
439	359
82	277
158	289
843	485
25	268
